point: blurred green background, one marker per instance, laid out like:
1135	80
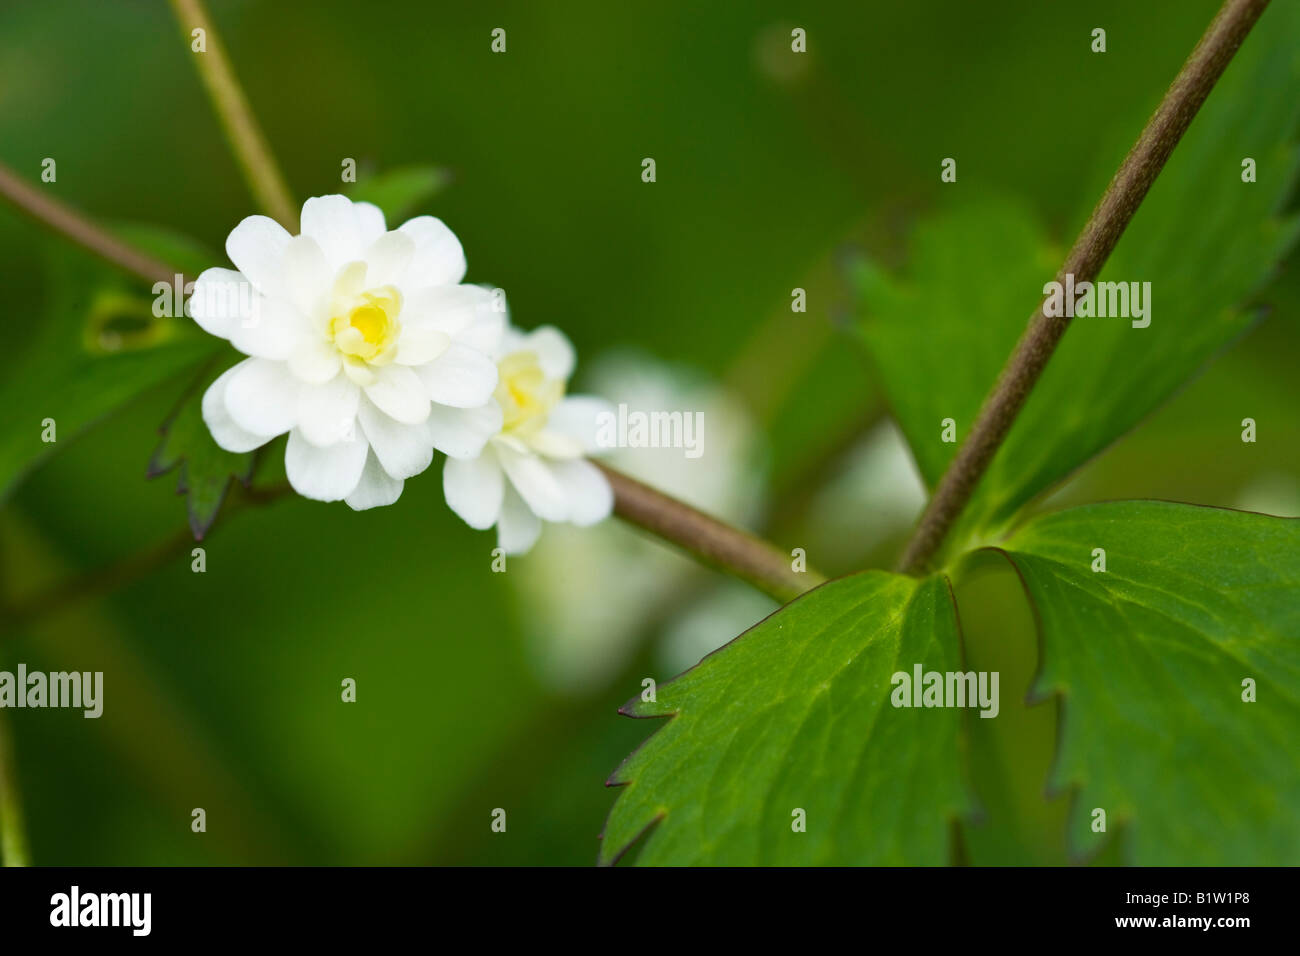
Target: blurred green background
479	690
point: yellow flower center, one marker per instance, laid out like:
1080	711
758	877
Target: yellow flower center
525	394
366	326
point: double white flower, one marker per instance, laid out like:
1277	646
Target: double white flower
533	468
368	351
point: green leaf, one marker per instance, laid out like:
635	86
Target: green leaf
1205	241
1149	658
796	714
400	191
204	469
941	334
97	346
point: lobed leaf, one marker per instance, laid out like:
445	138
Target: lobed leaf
795	714
1149	657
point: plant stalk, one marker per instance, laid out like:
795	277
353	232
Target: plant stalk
251	152
1107	223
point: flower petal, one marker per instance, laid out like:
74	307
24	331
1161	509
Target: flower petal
517	526
376	487
387	258
467	313
262	397
403	450
400	394
315	360
461	377
256	247
370	218
224	430
532	478
590	498
439	258
272	330
551	444
222	298
308	277
333	223
474	488
328	413
325	474
554	351
462	432
420	345
579	417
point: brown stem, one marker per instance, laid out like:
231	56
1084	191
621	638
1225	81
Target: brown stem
49	211
1118	204
715	543
254	157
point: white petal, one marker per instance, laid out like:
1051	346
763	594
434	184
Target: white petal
387	258
462	432
399	393
256	247
262	397
474	488
328	413
376	487
420	345
588	492
484	334
333	223
579	417
314	360
220	299
351	278
370	218
272	330
532	478
467	313
438	259
308	278
551	444
554	351
224	430
461	377
325	474
517	526
403	450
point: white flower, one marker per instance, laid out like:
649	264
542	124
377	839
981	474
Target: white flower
364	348
534	468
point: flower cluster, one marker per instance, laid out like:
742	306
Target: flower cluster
365	347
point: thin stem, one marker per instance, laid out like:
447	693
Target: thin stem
13	836
714	542
68	222
255	160
1118	204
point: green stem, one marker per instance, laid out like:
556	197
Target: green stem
245	136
